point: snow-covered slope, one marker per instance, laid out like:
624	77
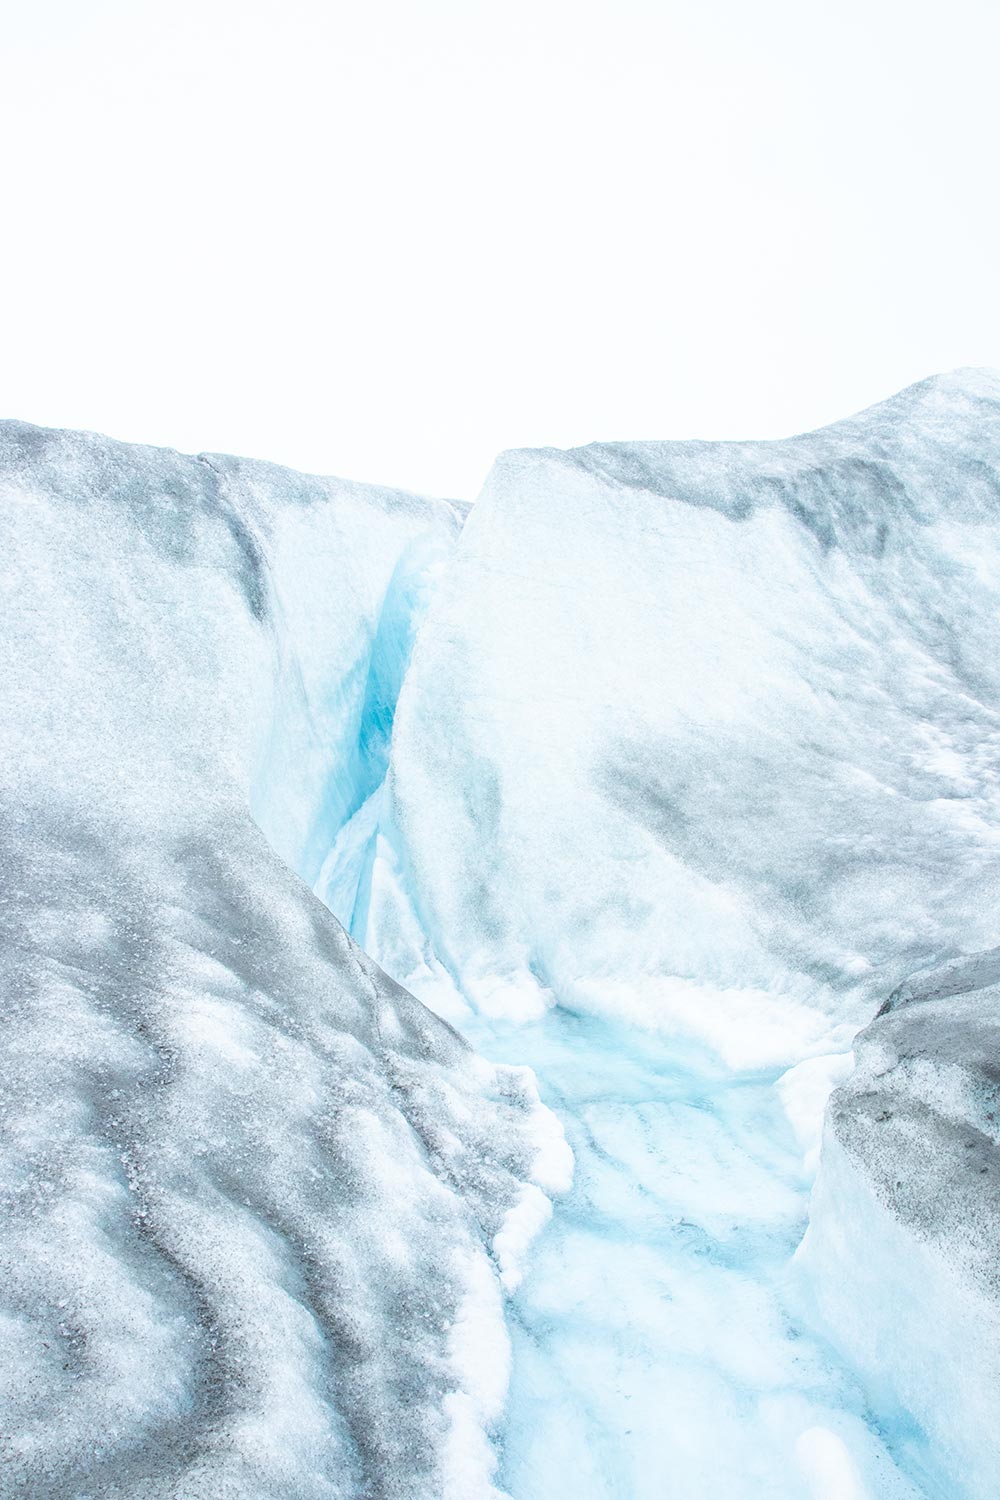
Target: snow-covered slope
249	1188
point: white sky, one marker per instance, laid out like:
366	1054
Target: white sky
388	239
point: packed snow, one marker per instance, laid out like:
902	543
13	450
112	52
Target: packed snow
655	775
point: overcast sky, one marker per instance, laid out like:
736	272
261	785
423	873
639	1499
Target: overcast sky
387	240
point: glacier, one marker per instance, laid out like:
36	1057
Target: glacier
666	777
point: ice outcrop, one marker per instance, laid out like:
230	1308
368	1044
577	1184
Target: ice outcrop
249	1188
902	1248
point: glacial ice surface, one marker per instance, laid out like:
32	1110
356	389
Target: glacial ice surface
694	763
655	779
249	1188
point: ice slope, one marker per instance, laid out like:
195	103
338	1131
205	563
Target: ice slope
249	1188
695	761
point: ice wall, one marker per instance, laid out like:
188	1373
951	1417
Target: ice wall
696	759
249	1189
699	717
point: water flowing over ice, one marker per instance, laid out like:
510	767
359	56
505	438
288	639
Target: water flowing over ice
655	776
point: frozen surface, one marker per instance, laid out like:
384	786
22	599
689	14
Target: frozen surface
249	1188
695	761
656	778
